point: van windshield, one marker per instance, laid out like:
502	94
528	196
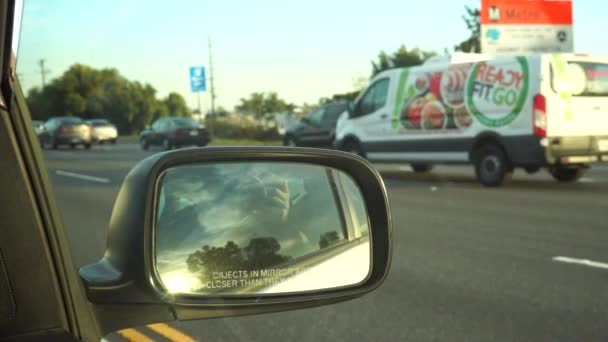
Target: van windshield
585	79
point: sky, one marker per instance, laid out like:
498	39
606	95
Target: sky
303	50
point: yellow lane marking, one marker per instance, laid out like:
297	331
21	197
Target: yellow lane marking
134	335
170	333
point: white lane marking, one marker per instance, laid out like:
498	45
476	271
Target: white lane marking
584	262
83	177
586	180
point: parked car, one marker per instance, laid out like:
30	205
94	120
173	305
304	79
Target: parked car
65	130
38	126
316	129
174	132
102	130
497	113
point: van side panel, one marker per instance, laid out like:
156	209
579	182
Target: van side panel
439	111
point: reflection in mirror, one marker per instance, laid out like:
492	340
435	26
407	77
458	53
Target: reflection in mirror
255	228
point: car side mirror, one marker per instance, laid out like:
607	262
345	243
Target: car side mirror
218	232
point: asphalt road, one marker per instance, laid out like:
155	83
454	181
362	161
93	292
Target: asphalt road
469	263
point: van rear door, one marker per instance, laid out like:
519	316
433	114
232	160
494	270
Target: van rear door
578	101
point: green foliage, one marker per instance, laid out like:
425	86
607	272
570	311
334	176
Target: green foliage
176	105
262	104
232	129
399	59
103	93
339	97
471	19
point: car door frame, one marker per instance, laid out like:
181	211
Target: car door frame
312	133
38	221
328	125
156	133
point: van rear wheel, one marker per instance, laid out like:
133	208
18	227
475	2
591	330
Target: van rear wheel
420	168
567	174
492	166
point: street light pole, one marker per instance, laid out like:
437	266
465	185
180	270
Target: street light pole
198	94
43	72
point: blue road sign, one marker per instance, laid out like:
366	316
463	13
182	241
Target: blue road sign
197	79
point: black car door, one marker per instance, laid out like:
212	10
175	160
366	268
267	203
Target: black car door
328	124
313	134
156	135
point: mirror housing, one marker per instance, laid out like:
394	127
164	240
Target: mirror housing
124	287
350	108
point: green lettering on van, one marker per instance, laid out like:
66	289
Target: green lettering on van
399	98
500	96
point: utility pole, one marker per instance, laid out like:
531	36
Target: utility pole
43	72
199	103
211	87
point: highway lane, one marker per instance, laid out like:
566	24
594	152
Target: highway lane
469	263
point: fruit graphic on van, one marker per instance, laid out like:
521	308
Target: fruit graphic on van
412	114
453	83
433	115
435	85
462	117
422	84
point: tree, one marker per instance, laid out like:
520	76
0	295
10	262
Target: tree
261	104
471	19
339	97
273	104
74	104
399	59
102	93
144	104
160	110
176	105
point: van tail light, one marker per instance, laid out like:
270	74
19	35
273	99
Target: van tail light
62	129
540	116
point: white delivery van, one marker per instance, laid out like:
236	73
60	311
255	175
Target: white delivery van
498	113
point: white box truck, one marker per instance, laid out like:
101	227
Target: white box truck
496	112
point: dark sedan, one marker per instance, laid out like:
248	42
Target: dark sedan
316	129
174	132
65	130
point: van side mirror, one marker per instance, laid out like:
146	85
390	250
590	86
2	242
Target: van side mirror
227	231
350	107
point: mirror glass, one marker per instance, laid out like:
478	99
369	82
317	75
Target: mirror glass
250	228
